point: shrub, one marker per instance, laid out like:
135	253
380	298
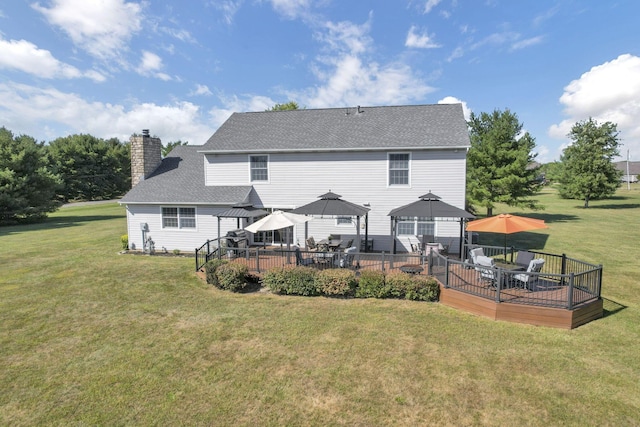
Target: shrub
371	284
336	282
423	288
398	283
291	281
124	242
232	276
176	252
210	270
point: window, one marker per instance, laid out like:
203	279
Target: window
415	227
178	217
259	166
399	169
343	220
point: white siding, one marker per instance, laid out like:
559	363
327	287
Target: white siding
296	179
186	240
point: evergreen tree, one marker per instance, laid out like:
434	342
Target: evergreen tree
91	168
588	171
499	162
27	185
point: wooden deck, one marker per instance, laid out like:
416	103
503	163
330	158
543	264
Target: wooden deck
520	312
543	306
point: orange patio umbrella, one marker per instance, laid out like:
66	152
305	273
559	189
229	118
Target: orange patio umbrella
506	224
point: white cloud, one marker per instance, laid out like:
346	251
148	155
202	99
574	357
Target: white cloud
522	44
101	28
348	76
453	100
228	9
201	90
607	92
150	65
24	56
422	41
430	5
58	113
291	9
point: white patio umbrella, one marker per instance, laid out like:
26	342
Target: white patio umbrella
277	221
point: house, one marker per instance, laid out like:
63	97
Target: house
378	157
630	170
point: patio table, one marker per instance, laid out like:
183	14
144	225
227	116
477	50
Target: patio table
333	244
411	268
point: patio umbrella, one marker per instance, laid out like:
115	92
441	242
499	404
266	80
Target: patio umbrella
276	221
506	224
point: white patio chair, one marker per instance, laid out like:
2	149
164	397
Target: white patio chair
486	267
529	281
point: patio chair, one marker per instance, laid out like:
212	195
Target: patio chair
475	253
346	260
486	267
300	260
523	258
529	281
416	249
311	244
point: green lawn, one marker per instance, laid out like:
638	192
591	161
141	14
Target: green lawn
90	337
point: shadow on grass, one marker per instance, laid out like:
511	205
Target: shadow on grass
622	206
54	223
610	307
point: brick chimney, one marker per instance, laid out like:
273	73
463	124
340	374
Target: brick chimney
146	155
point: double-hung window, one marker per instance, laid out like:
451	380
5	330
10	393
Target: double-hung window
259	168
408	226
179	217
399	168
343	220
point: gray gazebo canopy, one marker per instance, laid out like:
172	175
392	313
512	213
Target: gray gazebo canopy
242	210
429	206
331	204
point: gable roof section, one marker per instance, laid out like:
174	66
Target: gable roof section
335	129
634	167
180	180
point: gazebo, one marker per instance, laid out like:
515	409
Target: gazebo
331	204
240	211
431	207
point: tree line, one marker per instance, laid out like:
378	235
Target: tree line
36	178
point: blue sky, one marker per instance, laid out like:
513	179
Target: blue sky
115	67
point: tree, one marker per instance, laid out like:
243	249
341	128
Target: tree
499	162
166	149
291	105
27	185
587	169
91	168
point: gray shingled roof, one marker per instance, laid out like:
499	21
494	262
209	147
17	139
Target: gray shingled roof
398	127
180	179
634	167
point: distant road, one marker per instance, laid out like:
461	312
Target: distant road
96	202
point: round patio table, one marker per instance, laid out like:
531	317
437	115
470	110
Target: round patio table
411	268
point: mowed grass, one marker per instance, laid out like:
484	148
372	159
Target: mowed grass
90	337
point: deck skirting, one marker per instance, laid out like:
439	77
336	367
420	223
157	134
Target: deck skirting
520	313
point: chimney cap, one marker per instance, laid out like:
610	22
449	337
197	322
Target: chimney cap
145	132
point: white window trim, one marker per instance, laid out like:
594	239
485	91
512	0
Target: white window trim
415	222
268	180
350	224
179	228
408	184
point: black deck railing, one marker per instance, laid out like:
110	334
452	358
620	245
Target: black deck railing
563	282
